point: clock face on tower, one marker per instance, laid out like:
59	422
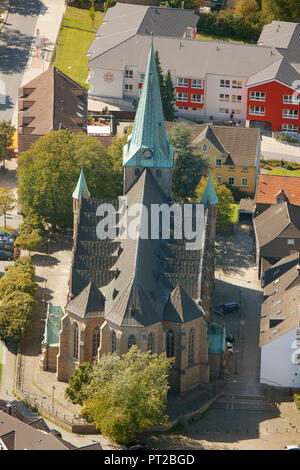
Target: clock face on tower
147	154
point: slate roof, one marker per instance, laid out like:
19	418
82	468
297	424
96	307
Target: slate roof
282	304
181	308
209	195
53	99
124	21
88	304
268	186
190	58
277	270
271	223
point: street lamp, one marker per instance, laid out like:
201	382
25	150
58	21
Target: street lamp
53	389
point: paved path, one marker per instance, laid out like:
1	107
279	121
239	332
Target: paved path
18	65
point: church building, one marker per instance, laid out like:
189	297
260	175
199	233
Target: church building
152	292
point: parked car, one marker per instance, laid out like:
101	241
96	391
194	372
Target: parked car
230	307
292	447
136	446
6	247
55	432
229	347
6	255
230	338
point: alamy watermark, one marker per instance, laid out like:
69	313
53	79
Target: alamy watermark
159	221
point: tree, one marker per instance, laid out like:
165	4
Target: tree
17	289
189	165
92	15
48	173
30	241
6	134
7	202
225	209
127	394
81	376
285	10
31	222
169	99
167	92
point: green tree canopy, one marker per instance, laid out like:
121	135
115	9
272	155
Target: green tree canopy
189	166
49	171
167	92
17	289
6	134
81	377
126	395
30	241
225	197
7	202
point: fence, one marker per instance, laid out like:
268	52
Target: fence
72	423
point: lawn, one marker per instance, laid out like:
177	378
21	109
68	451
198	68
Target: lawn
283	172
75	37
216	38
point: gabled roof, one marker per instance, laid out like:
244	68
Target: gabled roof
181	308
285	270
149	133
268	186
124	21
209	134
53	100
272	222
88	304
81	187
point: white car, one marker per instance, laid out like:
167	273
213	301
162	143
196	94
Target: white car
229	347
292	447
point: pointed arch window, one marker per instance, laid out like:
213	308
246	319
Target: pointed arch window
113	342
131	341
170	342
151	343
75	341
191	350
96	342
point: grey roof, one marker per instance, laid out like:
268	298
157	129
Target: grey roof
277	34
278	269
124	21
168	22
208	133
271	223
181	308
190	58
88	304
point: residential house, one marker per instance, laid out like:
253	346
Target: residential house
214	80
275	189
277	234
150	292
280	324
50	102
233	153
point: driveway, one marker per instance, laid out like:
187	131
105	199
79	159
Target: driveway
271	149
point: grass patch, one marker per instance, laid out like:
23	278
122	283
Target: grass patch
234	215
283	172
216	38
297	401
75	37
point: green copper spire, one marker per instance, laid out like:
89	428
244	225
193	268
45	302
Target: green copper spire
148	145
209	195
81	187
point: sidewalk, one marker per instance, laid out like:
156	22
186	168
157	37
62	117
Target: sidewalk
48	26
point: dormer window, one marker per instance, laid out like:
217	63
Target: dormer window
189	33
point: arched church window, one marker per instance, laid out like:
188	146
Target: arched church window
191	350
113	342
75	341
131	341
96	342
170	340
151	343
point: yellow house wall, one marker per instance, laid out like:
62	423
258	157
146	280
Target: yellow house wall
212	154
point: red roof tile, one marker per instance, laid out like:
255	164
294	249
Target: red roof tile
271	185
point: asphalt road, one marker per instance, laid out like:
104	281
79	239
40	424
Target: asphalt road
15	42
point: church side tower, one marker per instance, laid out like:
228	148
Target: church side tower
81	190
148	146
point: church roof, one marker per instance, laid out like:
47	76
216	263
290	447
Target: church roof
181	308
148	145
81	187
88	304
209	195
